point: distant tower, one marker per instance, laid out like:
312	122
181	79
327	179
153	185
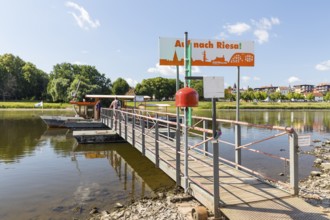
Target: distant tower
204	56
175	57
234	87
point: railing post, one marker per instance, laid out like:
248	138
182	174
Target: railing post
143	138
293	139
156	145
168	127
205	145
111	119
238	153
126	119
119	119
133	130
106	114
115	119
216	191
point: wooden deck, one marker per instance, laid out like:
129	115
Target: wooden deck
242	196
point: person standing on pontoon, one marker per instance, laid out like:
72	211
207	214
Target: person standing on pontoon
114	106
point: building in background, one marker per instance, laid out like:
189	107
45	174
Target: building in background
302	89
323	88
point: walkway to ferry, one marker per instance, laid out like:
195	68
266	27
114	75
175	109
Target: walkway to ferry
240	192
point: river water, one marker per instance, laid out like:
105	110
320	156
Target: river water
44	174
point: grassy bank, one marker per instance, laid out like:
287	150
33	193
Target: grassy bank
267	105
202	105
251	105
6	105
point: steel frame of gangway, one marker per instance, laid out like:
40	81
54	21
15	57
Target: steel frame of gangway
148	139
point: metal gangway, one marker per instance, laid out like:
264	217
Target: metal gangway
227	188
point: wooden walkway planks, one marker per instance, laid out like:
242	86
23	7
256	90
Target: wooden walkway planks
242	196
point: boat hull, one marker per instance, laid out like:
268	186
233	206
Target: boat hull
74	123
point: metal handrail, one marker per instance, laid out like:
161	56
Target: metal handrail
285	131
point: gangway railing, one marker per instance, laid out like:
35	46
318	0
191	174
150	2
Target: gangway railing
158	130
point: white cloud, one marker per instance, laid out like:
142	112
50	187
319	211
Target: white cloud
131	82
275	21
324	66
265	23
221	36
293	79
260	28
263	26
170	70
262	36
246	78
238	28
82	18
78	63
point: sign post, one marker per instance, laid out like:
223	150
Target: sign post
238	157
185	129
177	135
214	88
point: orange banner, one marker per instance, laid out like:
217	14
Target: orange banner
207	52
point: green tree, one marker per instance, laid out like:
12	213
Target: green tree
275	96
327	97
260	96
20	79
35	81
13	84
145	88
120	87
172	84
298	96
65	77
158	88
247	95
290	95
294	95
310	97
198	86
229	95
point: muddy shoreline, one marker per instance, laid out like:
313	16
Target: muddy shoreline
316	188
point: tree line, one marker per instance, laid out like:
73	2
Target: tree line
251	95
21	80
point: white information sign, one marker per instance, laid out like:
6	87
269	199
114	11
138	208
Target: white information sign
214	87
304	140
139	98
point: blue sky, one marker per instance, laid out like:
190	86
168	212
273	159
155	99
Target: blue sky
120	38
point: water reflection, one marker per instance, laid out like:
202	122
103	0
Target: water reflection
19	137
302	120
314	123
135	172
45	175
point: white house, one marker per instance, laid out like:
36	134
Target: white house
283	90
318	96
